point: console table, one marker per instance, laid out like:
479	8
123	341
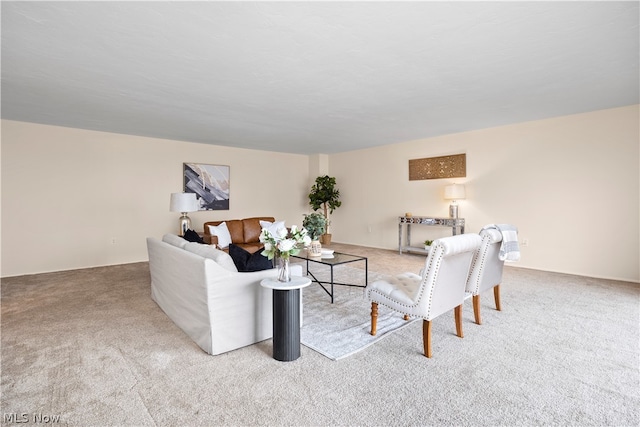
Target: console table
408	221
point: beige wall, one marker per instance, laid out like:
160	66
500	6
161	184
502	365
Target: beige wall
570	184
67	193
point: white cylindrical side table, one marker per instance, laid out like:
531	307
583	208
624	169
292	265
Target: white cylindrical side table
286	316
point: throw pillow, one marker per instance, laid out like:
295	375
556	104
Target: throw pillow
272	227
246	261
222	233
192	236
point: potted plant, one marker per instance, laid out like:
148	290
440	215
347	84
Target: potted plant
316	225
427	244
325	195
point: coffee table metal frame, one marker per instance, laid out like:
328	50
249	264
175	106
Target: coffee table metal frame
338	259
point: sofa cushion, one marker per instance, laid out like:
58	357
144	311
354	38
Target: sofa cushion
246	261
253	227
207	251
174	240
192	236
222	233
236	229
252	247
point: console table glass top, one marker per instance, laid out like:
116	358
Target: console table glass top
407	221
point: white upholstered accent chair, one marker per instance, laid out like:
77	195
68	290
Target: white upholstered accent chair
440	288
486	270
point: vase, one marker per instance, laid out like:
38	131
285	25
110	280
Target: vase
315	249
284	274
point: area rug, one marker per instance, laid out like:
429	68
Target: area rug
341	329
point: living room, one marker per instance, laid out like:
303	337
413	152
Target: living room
78	198
107	189
93	197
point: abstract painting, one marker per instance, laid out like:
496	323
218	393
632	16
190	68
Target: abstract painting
210	183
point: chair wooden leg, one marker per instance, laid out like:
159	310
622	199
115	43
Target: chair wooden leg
458	315
426	337
374	318
496	296
476	309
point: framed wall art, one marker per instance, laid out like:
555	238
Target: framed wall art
210	183
454	166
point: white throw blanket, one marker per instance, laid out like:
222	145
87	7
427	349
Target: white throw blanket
509	248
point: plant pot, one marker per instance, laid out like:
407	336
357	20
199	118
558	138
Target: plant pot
325	239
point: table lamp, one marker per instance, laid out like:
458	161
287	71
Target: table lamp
454	192
183	203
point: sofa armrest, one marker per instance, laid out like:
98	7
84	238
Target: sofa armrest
232	288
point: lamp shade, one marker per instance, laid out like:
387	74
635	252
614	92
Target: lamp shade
454	192
183	202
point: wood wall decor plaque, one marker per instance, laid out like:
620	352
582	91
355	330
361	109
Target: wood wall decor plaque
454	166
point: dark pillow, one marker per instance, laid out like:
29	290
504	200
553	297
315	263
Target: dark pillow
192	236
246	261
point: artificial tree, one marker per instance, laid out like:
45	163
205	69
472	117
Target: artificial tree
325	195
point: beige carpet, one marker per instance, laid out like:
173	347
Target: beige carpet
91	347
343	328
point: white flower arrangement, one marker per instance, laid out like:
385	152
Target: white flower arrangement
283	243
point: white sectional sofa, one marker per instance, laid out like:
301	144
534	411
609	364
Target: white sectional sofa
201	290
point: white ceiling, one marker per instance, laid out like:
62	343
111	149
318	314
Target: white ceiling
313	77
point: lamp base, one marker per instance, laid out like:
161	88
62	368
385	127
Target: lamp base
453	210
185	224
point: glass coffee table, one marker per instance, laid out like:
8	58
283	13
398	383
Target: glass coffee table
337	259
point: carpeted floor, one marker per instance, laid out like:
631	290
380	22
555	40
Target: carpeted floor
343	328
91	347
